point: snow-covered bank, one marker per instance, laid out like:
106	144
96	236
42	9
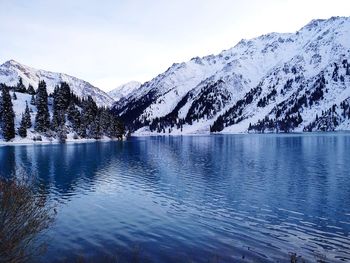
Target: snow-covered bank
70	140
147	133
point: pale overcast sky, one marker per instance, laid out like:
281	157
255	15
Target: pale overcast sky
112	42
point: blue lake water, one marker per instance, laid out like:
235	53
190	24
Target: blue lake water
176	199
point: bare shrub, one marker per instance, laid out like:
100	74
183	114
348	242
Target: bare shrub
23	215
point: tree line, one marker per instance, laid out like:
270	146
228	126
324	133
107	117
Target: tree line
70	114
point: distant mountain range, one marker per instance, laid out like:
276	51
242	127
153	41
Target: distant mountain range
276	82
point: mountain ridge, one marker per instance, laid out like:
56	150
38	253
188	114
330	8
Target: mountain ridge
124	90
194	96
11	71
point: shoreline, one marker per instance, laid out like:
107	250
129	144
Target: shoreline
77	141
54	142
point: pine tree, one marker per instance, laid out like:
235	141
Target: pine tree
88	118
27	118
42	118
73	115
32	100
116	128
62	133
82	130
20	86
94	129
56	115
65	95
58	119
7	116
14	96
218	125
61	101
104	120
30	90
22	130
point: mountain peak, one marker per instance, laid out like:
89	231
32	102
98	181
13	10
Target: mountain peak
11	62
124	90
319	22
12	70
130	83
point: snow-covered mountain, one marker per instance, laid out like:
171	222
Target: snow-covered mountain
124	90
275	82
11	70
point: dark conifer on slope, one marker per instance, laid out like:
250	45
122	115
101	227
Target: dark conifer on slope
32	100
58	117
42	118
7	116
104	119
71	115
22	129
88	116
27	118
20	86
30	90
84	117
94	129
116	128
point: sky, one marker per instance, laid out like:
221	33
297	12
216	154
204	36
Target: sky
112	42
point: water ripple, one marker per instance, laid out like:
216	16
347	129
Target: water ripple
255	198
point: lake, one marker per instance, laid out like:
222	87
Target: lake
201	198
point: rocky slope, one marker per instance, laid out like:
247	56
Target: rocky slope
276	82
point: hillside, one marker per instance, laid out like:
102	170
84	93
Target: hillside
11	71
278	82
28	115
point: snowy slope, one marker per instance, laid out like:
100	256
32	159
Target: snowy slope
124	90
11	70
19	105
274	77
